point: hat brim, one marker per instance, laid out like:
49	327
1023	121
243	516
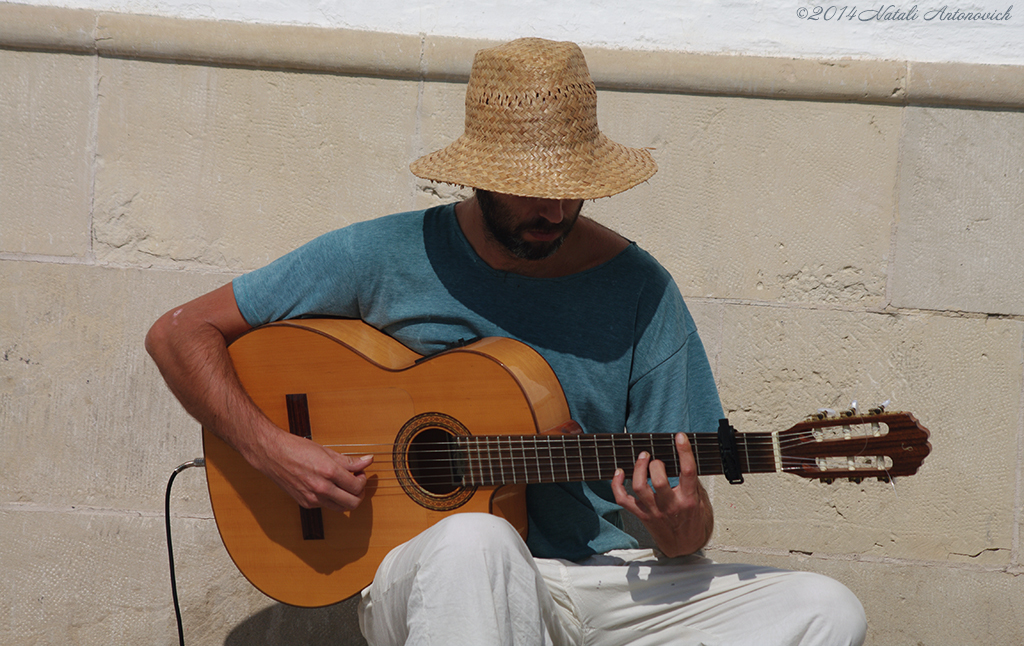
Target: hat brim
598	168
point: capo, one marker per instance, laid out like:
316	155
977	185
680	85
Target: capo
729	452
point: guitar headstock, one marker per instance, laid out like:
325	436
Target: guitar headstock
878	444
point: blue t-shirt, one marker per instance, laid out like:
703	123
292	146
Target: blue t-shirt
618	336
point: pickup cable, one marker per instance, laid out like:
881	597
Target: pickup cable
198	462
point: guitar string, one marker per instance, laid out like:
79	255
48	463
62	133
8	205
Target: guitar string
522	452
762	461
591	468
711	440
600	443
393	482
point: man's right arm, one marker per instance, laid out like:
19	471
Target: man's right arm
189	345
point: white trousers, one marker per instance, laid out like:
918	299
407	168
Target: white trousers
471	580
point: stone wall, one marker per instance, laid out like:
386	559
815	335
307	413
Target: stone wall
842	230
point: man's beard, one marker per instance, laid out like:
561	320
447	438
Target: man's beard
502	227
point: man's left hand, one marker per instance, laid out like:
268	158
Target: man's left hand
680	518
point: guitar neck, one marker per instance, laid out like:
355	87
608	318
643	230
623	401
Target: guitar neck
530	459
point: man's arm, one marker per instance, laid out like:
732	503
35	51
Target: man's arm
189	345
680	519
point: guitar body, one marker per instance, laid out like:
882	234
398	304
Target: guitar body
369	394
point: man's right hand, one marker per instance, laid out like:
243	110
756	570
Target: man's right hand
311	474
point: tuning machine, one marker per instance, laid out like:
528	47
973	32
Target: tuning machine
823	413
878	410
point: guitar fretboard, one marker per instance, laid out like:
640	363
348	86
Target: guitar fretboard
529	459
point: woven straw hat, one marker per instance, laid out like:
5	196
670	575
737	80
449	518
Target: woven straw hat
531	129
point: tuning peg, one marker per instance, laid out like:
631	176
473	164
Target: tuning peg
878	410
823	413
856	480
828	481
885	478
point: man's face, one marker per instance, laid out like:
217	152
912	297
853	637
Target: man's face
530	228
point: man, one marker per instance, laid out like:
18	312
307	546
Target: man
518	260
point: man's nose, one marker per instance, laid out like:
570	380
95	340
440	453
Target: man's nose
553	211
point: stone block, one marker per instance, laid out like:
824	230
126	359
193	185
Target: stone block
87	418
708	316
915	603
224	167
961	202
961	377
46	152
757	199
74	576
442	120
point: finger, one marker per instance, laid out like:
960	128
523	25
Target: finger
618	483
350	477
688	482
345	497
623	498
338	483
640	472
658	476
355	464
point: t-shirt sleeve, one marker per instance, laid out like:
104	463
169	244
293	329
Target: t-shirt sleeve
315	279
678	394
672	388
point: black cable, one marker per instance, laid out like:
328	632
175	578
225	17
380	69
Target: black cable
198	462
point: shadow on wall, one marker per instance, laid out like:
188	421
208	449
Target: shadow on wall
279	624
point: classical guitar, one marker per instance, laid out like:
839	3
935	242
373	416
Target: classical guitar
464	430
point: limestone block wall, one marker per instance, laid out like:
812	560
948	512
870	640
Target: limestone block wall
842	230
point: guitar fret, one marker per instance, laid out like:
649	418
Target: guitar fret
534	474
551	461
527	460
579	449
675	455
499	462
479	463
615	453
502	467
490	462
512	460
585	457
565	457
525	463
474	476
527	473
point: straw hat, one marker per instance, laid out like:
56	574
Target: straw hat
531	129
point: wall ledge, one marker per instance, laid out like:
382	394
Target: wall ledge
434	58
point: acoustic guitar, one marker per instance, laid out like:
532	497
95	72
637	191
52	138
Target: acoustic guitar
462	431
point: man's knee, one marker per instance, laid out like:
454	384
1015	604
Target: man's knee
834	615
470	535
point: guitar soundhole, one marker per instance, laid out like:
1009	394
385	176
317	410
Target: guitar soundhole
434	462
429	463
